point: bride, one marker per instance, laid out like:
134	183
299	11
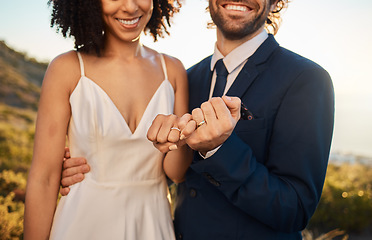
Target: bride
104	96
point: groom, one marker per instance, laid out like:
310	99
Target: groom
265	180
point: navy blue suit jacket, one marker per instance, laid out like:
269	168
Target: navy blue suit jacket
266	180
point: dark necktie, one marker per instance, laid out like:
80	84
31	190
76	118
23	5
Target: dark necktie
221	79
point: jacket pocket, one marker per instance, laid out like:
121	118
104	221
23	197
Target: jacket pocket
250	125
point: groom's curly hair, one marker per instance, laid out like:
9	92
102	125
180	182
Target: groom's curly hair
82	20
274	19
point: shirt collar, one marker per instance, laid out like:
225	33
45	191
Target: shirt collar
239	54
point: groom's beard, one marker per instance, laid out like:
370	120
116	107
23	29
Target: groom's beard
235	28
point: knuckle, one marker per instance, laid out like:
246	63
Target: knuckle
203	105
162	138
182	124
150	136
64	173
173	117
70	171
195	111
238	100
171	120
173	138
78	177
216	100
64	182
67	163
82	161
64	164
161	116
229	125
187	116
188	131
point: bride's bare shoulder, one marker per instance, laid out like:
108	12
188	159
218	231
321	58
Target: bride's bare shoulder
64	70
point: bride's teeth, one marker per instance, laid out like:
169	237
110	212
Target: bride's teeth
129	22
237	8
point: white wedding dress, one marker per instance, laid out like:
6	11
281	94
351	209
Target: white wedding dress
124	196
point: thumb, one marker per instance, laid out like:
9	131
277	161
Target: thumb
234	105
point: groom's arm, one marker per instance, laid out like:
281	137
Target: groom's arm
73	171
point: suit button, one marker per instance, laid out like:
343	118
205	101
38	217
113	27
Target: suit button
192	192
179	236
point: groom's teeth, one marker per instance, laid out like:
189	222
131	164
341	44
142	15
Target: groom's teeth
235	7
129	22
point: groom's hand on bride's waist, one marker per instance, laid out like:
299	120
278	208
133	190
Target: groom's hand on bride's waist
73	170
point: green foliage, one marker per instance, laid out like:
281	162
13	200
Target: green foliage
11	210
11	181
346	201
16	138
11	218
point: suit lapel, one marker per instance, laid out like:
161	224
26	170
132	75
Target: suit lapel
250	71
245	78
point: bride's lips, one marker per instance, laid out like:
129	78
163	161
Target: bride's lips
129	23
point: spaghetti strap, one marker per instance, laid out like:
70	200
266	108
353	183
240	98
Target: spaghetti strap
164	66
81	64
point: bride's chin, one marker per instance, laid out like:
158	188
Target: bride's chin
137	38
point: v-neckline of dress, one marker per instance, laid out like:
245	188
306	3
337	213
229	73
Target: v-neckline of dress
116	108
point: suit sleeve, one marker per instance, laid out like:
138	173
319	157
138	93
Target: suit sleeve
283	190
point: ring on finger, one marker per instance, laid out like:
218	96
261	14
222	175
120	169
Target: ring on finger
176	128
200	124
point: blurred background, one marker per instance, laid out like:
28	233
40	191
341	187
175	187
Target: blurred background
335	34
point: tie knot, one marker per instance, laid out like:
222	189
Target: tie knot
220	68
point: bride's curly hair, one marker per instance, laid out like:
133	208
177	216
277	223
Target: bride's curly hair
274	19
82	20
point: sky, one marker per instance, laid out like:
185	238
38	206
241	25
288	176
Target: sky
335	34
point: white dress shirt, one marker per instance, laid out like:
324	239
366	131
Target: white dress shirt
234	62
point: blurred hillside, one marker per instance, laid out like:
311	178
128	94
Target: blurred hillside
20	78
20	81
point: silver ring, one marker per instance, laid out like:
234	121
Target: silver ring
176	128
200	124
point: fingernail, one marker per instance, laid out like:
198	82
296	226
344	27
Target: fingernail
173	147
85	168
182	137
228	98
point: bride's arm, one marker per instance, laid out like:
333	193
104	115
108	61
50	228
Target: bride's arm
176	161
50	136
